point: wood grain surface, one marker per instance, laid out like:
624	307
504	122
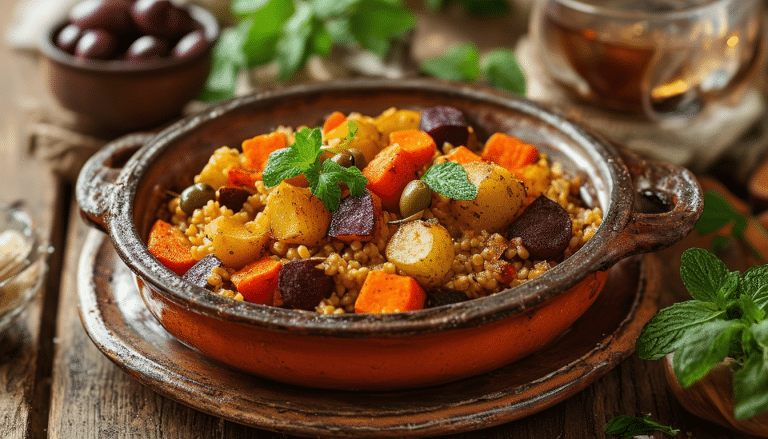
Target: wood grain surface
54	383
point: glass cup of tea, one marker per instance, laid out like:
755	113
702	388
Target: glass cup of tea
663	58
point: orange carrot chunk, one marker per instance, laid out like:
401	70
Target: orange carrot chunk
509	152
239	176
257	281
388	174
385	293
420	144
171	247
334	120
462	155
257	149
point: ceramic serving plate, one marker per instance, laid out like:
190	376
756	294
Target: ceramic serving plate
121	187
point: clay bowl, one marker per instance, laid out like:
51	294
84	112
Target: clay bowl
116	96
120	189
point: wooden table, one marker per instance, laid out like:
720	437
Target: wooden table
54	383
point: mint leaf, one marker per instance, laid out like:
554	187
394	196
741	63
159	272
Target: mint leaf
458	64
703	274
664	332
628	427
375	22
326	186
501	70
702	347
754	282
281	165
308	144
751	381
450	179
717	213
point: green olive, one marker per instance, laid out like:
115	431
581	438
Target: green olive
415	197
196	196
343	158
358	159
350	157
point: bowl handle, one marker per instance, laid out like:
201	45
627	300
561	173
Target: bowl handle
96	180
679	200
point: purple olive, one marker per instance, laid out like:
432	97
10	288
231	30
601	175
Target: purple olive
445	124
191	44
67	38
147	47
161	17
96	44
112	15
544	228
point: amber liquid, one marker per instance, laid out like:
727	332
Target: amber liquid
615	72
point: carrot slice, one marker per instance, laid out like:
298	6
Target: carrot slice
385	293
462	155
171	247
239	176
388	174
335	119
420	144
257	149
257	281
509	152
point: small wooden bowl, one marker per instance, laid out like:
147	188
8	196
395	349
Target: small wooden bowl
711	398
120	189
119	97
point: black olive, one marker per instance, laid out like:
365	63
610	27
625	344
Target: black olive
416	197
196	196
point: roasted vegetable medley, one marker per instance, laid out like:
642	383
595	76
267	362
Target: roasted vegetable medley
392	213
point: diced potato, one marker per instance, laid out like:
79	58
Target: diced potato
297	216
237	244
392	120
215	171
422	250
500	196
368	139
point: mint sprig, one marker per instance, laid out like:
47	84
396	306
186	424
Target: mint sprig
726	318
628	427
450	179
717	214
499	68
303	157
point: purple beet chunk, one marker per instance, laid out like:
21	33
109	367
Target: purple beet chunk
302	285
96	44
544	228
233	197
444	296
198	273
355	217
190	44
111	15
445	124
147	47
67	38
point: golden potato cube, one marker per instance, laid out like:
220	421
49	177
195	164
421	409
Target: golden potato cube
236	244
297	216
500	195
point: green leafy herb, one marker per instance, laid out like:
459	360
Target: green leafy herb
717	214
303	157
498	68
725	319
289	32
629	427
450	179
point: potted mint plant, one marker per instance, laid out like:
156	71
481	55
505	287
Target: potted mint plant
716	344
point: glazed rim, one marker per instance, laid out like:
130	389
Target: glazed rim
202	16
475	312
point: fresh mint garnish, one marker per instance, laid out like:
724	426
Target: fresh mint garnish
628	427
724	319
450	179
499	68
303	157
717	214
